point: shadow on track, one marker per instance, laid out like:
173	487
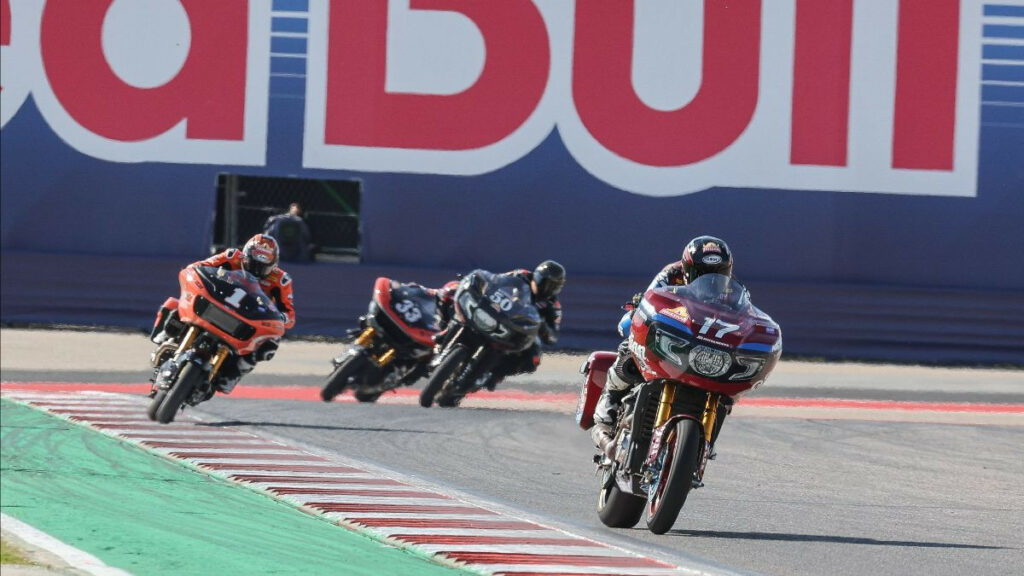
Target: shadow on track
833	539
232	423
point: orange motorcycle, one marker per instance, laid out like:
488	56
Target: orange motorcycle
220	312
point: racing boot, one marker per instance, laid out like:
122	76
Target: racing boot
605	416
622	377
232	372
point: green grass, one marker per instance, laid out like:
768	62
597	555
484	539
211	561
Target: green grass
9	554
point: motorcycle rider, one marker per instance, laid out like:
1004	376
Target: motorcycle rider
546	282
702	255
259	257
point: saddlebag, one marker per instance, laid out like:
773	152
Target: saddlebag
595	370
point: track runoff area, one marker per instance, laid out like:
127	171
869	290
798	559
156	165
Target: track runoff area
81	441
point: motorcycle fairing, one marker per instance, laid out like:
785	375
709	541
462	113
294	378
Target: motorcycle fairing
499	307
412	307
230	305
706	334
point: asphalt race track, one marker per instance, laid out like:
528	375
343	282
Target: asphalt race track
807	490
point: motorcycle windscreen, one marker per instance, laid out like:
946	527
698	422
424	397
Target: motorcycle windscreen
715	290
415	306
240	291
512	297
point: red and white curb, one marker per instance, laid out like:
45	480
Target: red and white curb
389	509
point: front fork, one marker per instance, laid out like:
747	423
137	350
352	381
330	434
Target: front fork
708	419
216	361
365	341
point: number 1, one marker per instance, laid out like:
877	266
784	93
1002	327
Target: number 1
236	297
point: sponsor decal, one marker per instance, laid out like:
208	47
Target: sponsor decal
657	98
711	247
680	313
639	352
711	259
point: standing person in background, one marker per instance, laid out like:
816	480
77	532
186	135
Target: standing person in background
292	234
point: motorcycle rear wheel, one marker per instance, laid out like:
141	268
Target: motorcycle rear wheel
680	454
451	366
338	379
187	380
615	508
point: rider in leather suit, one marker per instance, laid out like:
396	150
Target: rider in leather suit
702	255
259	257
546	281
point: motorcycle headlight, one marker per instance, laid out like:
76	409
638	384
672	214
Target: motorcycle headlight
671	348
709	361
484	321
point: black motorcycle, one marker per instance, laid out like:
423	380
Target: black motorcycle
494	316
393	345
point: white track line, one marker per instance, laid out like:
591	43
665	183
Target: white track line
73	556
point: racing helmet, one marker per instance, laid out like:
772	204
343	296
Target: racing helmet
706	255
549	276
260	255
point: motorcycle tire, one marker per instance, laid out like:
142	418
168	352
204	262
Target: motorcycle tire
451	366
445	401
615	508
188	379
366	396
155	403
338	380
681	454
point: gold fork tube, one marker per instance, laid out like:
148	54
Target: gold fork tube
385	358
186	342
366	338
668	395
217	360
710	415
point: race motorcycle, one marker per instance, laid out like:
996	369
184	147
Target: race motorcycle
698	347
393	345
494	316
220	312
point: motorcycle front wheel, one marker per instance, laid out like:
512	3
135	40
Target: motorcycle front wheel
367	396
679	456
615	508
449	367
171	401
338	379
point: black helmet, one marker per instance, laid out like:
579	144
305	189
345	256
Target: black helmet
260	255
549	276
706	255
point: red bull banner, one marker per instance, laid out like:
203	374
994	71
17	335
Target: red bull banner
656	97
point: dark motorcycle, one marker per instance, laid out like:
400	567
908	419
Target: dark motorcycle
393	345
698	347
494	316
221	312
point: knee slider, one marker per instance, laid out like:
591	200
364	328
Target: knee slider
266	351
